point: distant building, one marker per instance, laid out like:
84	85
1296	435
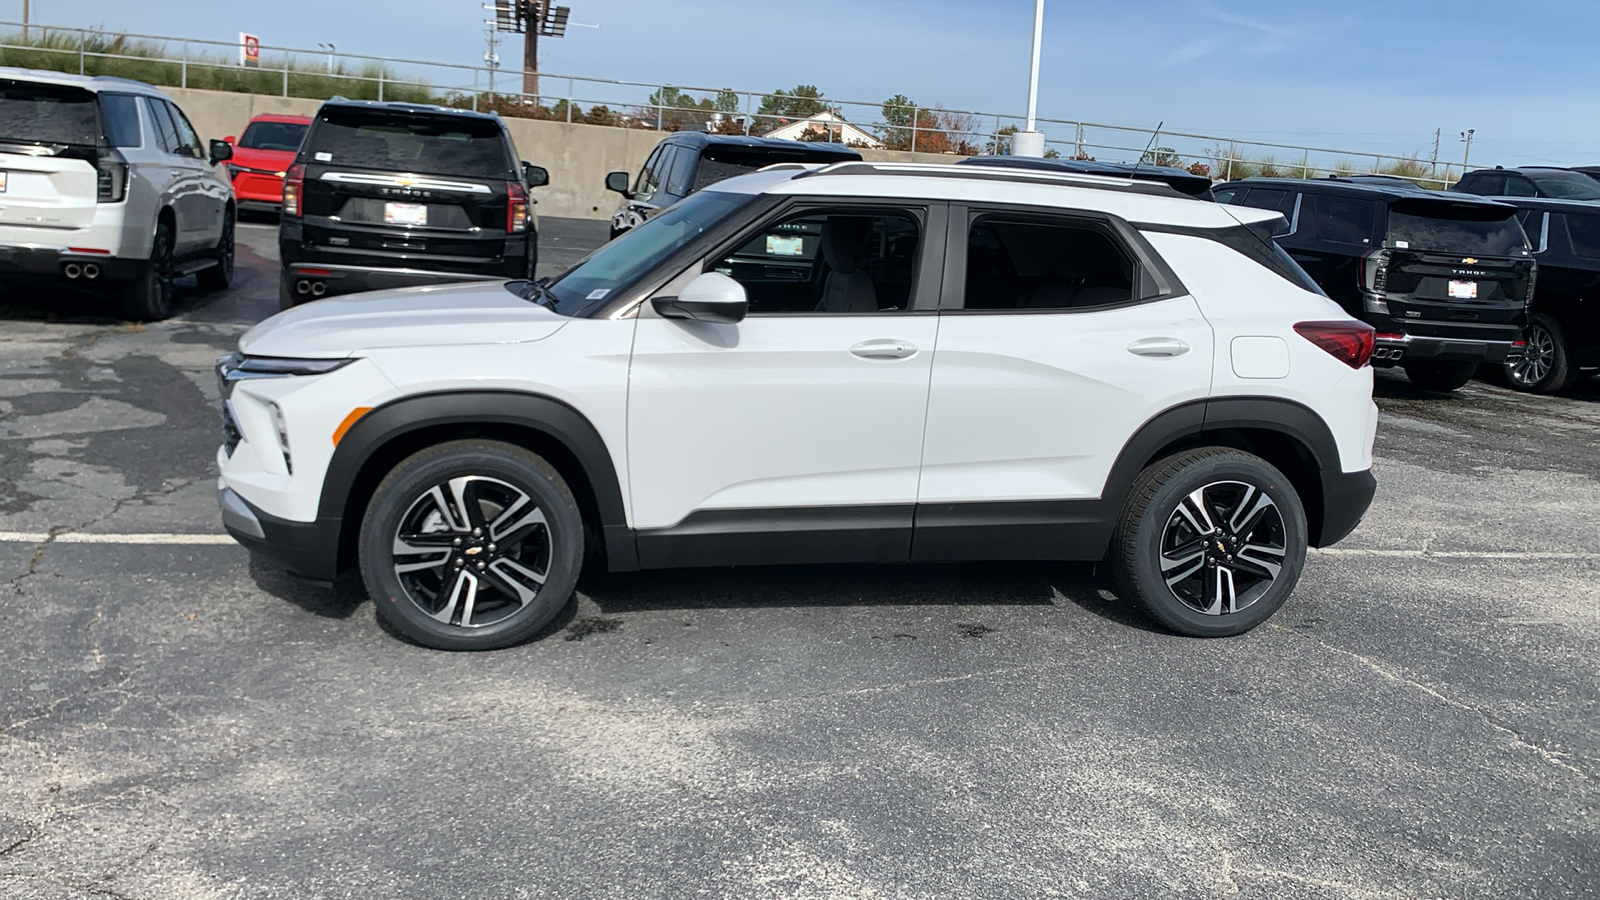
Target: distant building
821	126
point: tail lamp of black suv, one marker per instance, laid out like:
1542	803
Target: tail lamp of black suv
1373	278
1350	342
294	184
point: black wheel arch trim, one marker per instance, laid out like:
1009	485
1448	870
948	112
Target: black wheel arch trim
347	474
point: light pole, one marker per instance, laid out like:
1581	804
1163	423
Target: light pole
330	48
1030	142
24	21
1467	137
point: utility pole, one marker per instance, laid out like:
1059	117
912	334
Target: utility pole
1030	142
1467	158
24	21
1433	168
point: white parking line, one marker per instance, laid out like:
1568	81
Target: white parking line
1453	554
73	537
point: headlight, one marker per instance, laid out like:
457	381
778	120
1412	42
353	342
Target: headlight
236	367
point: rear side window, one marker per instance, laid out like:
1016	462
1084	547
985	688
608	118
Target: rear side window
1486	184
1517	186
399	142
47	114
1585	233
1340	220
1033	264
273	136
1502	237
166	131
1224	195
119	113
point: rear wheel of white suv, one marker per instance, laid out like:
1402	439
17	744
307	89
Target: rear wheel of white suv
471	545
220	276
1211	542
148	298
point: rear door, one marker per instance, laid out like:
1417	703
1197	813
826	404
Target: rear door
210	192
48	136
1453	274
178	175
392	186
1332	234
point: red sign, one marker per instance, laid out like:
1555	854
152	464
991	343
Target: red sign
249	50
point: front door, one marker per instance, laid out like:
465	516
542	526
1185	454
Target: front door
1060	338
795	434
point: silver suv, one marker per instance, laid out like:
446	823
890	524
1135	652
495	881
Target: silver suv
104	183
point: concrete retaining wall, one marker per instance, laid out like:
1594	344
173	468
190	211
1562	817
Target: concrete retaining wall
578	156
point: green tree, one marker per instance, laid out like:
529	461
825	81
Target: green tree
727	101
803	102
898	112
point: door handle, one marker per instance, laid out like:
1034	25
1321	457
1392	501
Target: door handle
1158	347
884	349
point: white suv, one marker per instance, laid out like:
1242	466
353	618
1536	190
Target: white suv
863	362
104	183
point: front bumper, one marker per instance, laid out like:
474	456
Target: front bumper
1346	497
309	549
1406	348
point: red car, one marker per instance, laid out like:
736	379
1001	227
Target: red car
261	156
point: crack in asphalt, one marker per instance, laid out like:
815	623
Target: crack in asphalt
1553	757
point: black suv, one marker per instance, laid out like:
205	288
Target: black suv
1180	180
688	161
1564	321
387	195
1446	278
1529	181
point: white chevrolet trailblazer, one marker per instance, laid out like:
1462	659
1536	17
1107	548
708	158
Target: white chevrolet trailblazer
862	362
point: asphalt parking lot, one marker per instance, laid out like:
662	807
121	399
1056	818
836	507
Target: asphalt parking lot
178	721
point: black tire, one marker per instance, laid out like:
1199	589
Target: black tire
1546	367
286	295
148	297
1442	377
220	276
1154	540
436	603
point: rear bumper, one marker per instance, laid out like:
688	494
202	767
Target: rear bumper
310	549
49	260
260	205
340	279
1397	351
1346	497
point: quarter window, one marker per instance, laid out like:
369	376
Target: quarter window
828	261
1268	198
1341	220
120	114
1030	264
1488	184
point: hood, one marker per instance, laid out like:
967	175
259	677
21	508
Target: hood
452	315
266	160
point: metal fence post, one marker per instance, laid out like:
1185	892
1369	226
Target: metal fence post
1305	164
474	90
569	101
916	113
81	42
660	99
286	75
183	78
380	84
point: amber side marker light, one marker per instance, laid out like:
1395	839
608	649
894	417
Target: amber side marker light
353	418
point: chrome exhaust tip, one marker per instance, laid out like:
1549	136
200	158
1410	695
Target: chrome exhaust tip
318	289
72	270
302	287
91	270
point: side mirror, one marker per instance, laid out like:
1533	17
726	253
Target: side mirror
618	181
535	176
221	150
712	297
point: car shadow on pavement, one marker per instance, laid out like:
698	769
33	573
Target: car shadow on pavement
48	301
338	600
950	584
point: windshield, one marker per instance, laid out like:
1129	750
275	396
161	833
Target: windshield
625	260
1568	186
282	136
47	114
462	146
1464	236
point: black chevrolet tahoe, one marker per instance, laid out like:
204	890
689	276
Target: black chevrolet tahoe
387	195
1564	321
1445	278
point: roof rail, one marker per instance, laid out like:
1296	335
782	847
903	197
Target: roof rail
987	173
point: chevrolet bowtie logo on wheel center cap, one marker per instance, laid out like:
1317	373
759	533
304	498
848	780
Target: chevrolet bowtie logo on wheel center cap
474	551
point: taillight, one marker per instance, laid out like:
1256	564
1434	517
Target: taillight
294	184
1350	342
516	208
1374	272
111	180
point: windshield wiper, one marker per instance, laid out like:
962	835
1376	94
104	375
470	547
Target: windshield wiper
539	292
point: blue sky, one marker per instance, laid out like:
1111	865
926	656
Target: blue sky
1356	74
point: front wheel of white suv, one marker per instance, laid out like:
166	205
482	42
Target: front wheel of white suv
471	545
1211	542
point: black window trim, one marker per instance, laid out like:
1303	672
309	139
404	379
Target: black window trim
932	217
1153	280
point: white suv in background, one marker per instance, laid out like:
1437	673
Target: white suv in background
863	362
104	183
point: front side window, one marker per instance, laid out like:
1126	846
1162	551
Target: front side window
620	263
120	115
273	136
46	114
188	142
1585	233
1567	186
1041	264
681	176
828	261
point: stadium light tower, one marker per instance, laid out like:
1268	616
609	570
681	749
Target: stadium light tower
533	19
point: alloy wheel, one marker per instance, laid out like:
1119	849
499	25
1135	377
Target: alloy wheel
472	551
1537	360
1223	547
